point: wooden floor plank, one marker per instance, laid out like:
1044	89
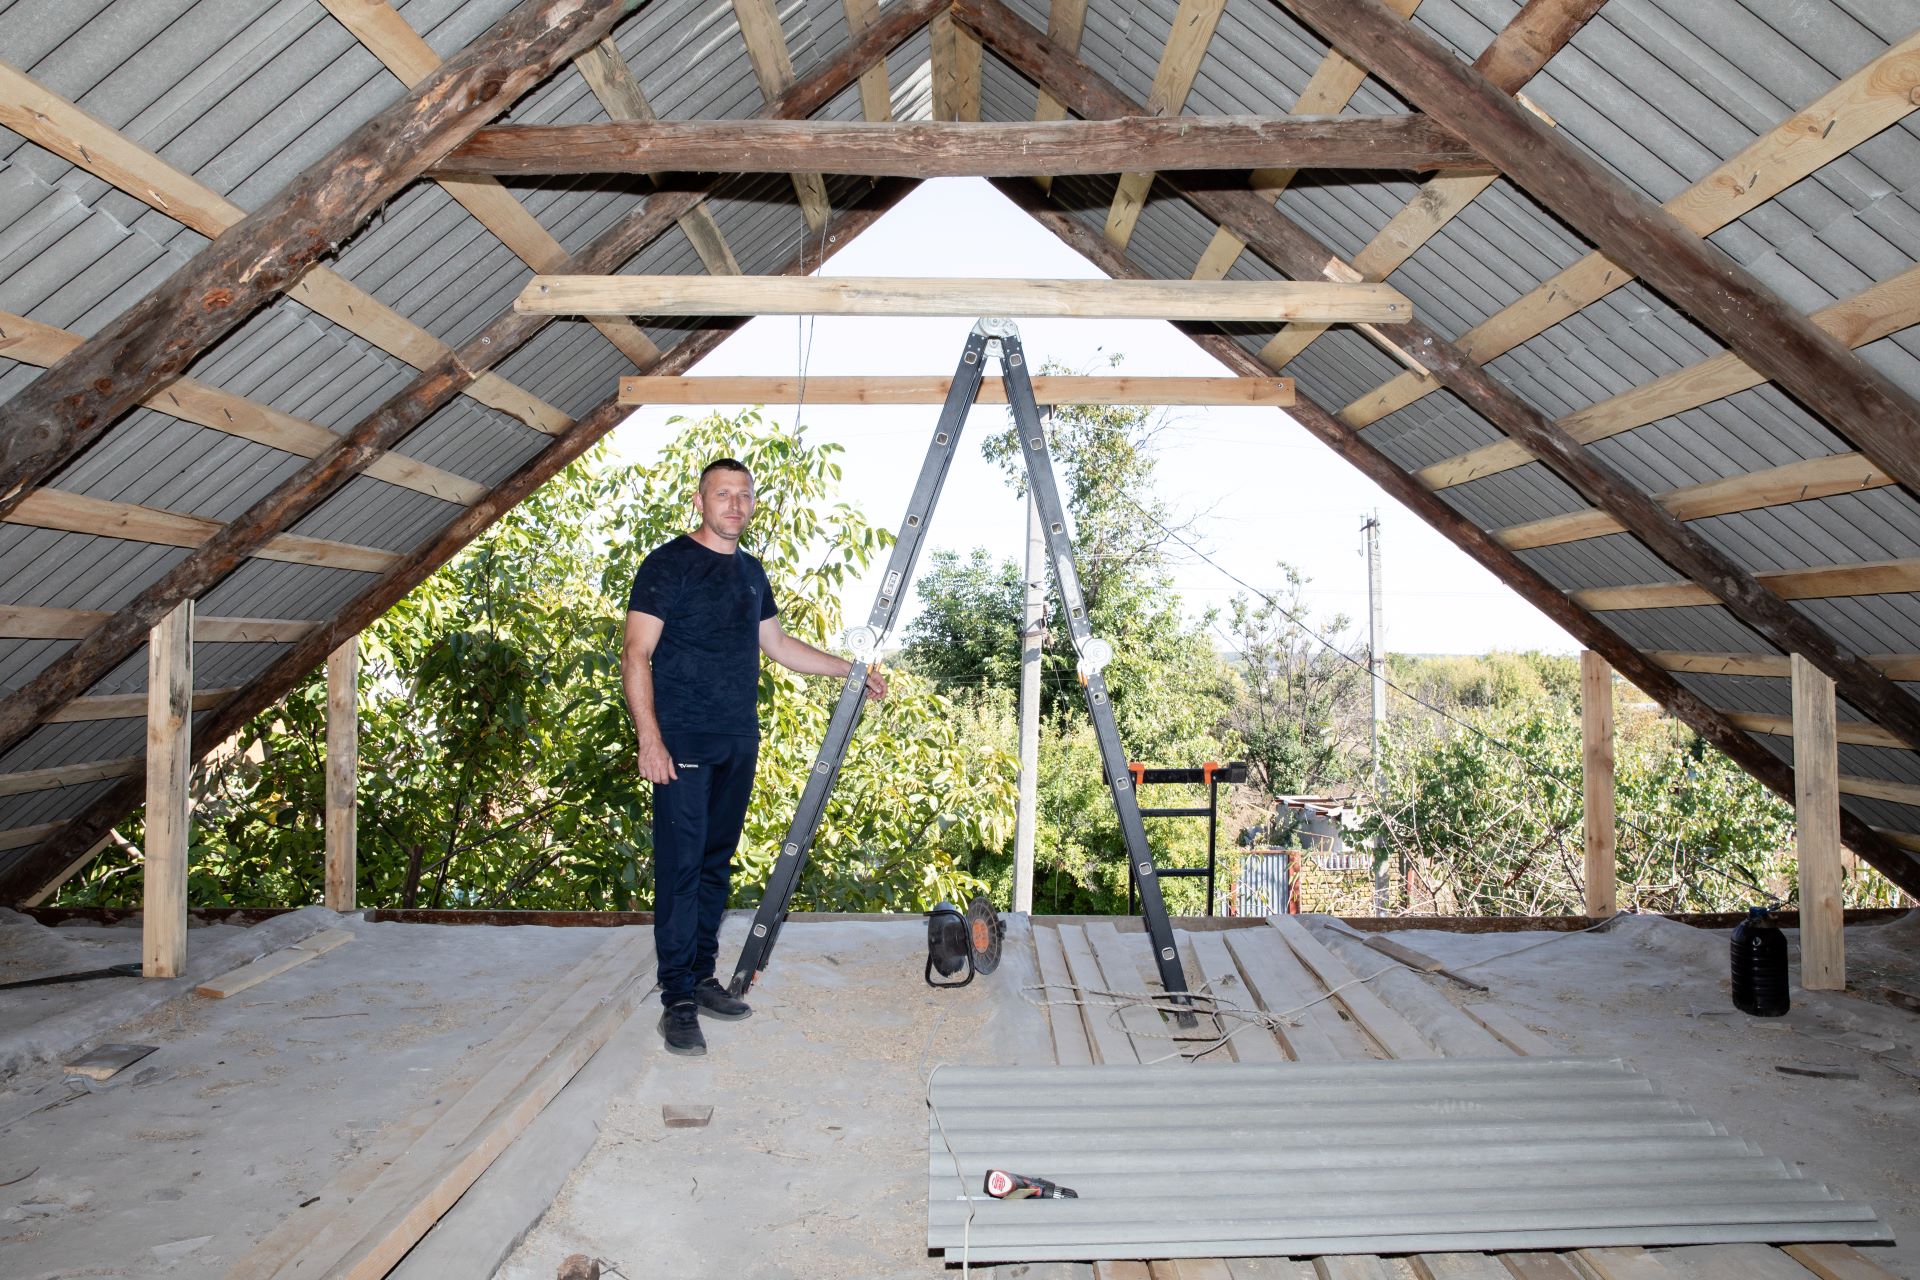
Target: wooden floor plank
1457	1266
1280	984
1216	965
1118	957
1071	1047
1394	1033
1509	1030
1110	1043
1732	1262
1837	1262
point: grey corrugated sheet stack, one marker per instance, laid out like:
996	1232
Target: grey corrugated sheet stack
1248	1160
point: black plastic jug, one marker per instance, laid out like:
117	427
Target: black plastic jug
1760	966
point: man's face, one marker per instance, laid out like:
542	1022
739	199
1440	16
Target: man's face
725	503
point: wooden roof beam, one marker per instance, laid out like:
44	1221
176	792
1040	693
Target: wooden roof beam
1180	59
1856	732
1775	666
1876	311
1066	23
1816	582
1048	389
955	62
77	670
876	89
132	706
922	149
77	513
29	873
773	68
1669	252
1524	46
42	345
1898	865
41	622
607	74
378	26
71	405
901	296
1295	252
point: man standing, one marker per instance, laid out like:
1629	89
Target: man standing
700	613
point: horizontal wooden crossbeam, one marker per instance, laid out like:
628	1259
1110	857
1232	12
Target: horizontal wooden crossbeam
1217	301
70	775
1820	582
1896	666
39	622
130	706
77	513
1047	389
1857	732
1880	789
949	149
23	837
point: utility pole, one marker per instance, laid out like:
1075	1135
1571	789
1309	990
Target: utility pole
1377	671
1033	630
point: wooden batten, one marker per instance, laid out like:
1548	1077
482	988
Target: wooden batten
68	775
1596	773
946	149
1066	20
343	766
895	296
1816	819
1048	389
1186	49
1853	732
39	622
876	92
773	68
1823	582
1898	666
169	762
77	513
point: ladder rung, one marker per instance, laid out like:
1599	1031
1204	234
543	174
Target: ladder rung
1200	812
1164	872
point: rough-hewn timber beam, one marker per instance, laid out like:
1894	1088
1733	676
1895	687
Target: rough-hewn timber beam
1296	252
75	671
946	150
27	873
1859	402
70	405
899	296
1047	389
1901	867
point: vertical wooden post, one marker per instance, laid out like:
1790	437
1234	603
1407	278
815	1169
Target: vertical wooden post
1816	815
163	934
1596	771
343	763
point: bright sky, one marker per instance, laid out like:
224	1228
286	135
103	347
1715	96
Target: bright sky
1264	490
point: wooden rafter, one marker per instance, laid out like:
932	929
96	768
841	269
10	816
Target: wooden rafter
895	390
1523	47
378	26
26	874
772	67
1328	90
923	149
72	404
1663	244
41	345
1899	866
77	513
1295	252
1819	582
897	296
109	644
1881	309
611	79
1185	50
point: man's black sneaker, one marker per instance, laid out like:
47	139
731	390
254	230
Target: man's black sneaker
715	1002
680	1026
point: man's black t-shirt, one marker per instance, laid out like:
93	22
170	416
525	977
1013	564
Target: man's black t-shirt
706	668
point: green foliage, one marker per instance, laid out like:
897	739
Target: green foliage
967	633
497	754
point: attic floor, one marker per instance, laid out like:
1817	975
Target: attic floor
814	1161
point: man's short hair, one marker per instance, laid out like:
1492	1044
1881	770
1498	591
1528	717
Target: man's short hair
723	464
